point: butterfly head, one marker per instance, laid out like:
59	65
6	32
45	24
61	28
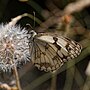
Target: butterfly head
32	33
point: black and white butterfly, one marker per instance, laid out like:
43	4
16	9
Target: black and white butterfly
50	52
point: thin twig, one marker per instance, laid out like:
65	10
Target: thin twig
76	6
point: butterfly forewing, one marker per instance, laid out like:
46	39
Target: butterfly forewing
49	53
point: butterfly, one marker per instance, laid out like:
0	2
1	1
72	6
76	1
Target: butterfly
50	52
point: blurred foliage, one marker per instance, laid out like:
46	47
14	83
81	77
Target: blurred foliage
71	76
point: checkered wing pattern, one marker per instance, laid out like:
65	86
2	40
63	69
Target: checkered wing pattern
49	53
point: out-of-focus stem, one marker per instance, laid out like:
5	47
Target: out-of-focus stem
53	81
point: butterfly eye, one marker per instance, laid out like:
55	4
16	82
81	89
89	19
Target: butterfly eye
31	32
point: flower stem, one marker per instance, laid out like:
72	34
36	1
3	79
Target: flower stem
17	78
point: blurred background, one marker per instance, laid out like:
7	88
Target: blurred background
69	18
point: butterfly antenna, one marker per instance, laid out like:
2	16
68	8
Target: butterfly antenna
29	26
34	20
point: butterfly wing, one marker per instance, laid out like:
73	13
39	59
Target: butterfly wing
49	53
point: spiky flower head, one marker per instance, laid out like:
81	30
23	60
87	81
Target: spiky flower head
14	47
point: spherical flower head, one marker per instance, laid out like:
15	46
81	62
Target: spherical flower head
14	48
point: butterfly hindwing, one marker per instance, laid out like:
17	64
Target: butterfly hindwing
44	56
